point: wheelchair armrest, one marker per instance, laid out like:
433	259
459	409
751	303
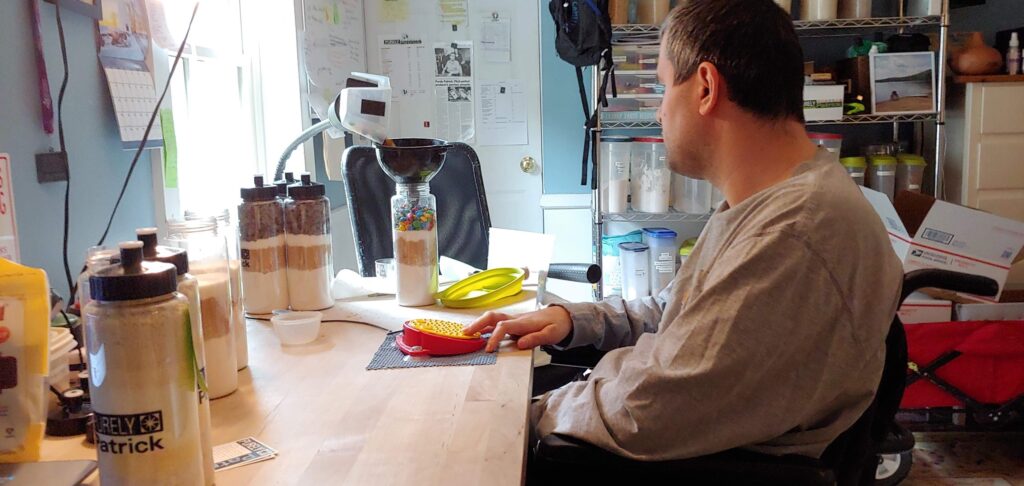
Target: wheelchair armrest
565	457
575	272
947	280
583	356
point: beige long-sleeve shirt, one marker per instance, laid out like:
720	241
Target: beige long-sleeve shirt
771	335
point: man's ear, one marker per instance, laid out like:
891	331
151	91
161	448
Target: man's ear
712	86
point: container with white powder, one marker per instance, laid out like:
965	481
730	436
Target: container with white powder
189	287
143	375
230	232
649	175
307	214
208	262
261	235
414	233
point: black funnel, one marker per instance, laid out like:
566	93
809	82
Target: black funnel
412	160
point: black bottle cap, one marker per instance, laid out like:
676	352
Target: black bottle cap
289	177
133	278
259	192
307	189
156	253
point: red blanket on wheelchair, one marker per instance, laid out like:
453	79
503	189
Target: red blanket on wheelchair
990	368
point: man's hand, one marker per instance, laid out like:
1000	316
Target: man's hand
546	326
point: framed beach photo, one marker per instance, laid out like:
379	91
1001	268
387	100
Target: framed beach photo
903	83
91	8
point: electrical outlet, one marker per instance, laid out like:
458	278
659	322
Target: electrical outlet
52	167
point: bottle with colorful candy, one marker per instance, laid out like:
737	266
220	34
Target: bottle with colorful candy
414	232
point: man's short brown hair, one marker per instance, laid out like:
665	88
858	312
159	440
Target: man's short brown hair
751	42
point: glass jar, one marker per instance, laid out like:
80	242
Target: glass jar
208	262
230	232
831	142
307	214
261	231
96	257
188	286
143	377
414	234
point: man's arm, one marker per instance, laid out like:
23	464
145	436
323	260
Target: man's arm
614	322
746	364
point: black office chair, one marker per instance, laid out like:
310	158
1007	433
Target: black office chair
464	221
851	459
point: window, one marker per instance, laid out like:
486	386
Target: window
235	100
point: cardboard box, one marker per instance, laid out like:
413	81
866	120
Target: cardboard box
949	237
990	312
919	308
823	103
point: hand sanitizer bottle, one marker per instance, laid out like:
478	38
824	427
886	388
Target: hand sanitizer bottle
1013	55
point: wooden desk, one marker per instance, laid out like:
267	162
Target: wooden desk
333	422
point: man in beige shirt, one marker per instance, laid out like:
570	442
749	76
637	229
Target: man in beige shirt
772	334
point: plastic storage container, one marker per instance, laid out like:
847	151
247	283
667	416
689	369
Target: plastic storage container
717	198
208	262
685	250
651	11
638	85
188	286
414	233
615	158
610	260
910	172
831	142
696	197
261	241
882	174
856	167
296	328
819	10
230	232
854	9
650	177
143	374
636	281
307	214
662	257
635	58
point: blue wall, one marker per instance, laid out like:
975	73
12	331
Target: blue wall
990	18
98	164
562	115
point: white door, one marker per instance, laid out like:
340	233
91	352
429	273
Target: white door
513	194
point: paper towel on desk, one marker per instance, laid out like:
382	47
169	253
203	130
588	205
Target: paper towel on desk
510	248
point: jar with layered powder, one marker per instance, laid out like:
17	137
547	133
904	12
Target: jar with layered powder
261	241
143	375
307	213
230	233
188	286
414	234
208	262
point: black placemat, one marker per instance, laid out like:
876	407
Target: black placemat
388	356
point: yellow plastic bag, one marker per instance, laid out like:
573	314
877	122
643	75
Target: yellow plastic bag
24	328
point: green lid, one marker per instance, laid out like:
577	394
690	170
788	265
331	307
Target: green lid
912	159
687	247
854	162
882	160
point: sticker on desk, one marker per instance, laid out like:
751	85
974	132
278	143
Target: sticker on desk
240	453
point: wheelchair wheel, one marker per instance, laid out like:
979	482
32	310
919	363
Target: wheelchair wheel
893	468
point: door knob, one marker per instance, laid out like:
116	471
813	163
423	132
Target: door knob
528	165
